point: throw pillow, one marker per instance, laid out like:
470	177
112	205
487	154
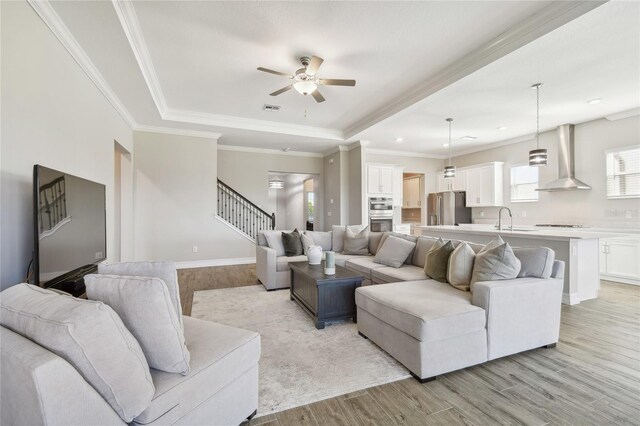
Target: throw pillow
144	306
306	241
322	239
394	251
90	336
356	243
437	260
337	236
166	271
460	266
374	241
414	240
498	263
497	241
423	244
274	241
292	243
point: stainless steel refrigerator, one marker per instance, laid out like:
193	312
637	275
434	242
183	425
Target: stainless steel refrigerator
447	208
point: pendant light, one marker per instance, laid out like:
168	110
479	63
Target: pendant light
449	171
276	183
538	156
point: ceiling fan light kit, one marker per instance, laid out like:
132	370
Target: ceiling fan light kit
306	82
450	170
538	156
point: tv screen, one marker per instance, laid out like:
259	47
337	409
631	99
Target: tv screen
69	226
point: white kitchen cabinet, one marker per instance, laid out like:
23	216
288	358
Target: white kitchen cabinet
484	185
619	258
380	179
457	183
411	191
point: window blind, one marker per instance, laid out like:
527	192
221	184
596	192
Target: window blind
623	173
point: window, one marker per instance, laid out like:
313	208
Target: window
623	173
524	181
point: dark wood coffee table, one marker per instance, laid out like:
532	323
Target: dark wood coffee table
324	297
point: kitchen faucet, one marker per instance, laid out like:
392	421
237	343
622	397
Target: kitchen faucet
500	218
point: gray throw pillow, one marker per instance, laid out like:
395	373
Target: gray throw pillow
394	251
374	241
437	260
410	238
306	241
274	241
535	261
498	263
356	243
497	241
144	306
423	244
337	236
460	268
90	336
292	243
322	239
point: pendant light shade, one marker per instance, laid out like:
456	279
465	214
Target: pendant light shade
538	156
449	170
276	183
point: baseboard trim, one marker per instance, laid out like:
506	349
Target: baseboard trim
617	279
214	262
570	299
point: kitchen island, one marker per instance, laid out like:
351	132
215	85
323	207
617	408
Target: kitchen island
578	248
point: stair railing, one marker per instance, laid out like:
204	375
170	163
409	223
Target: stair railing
242	213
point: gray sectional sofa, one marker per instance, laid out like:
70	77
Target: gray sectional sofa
433	328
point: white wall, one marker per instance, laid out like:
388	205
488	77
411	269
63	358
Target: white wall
591	208
52	114
176	201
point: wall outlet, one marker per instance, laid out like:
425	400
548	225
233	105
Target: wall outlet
194	249
329	214
481	213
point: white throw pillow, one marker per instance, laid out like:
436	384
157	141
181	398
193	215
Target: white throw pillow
498	263
306	241
144	305
166	271
90	336
460	267
274	241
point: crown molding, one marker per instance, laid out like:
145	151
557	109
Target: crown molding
543	22
404	153
511	141
624	114
131	26
268	151
52	20
180	132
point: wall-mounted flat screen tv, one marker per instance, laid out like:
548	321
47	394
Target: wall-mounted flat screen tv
69	226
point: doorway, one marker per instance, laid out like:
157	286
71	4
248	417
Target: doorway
413	198
123	204
295	200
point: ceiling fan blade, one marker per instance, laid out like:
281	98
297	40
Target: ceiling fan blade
284	89
317	96
274	72
314	64
336	82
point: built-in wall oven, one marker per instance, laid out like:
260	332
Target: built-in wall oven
380	214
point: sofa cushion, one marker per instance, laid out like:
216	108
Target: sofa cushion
498	263
423	245
144	305
166	271
322	239
435	265
394	251
426	310
90	336
388	274
274	241
219	355
535	262
337	236
460	267
374	241
341	258
282	262
362	265
356	242
307	242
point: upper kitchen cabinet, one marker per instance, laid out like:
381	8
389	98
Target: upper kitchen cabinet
380	179
457	183
411	192
484	185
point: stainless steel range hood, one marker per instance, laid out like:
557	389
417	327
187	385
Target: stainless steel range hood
566	164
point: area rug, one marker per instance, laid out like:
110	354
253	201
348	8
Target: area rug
299	364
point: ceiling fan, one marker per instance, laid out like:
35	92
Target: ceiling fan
306	82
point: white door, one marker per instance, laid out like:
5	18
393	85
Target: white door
386	180
373	180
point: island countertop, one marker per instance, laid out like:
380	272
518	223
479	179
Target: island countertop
522	231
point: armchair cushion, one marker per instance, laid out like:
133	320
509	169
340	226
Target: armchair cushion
144	306
166	271
90	336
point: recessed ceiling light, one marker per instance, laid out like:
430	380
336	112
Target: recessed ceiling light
502	128
468	138
399	139
594	101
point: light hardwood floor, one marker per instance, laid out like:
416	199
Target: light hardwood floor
592	377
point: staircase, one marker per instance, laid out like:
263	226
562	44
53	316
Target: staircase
241	214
